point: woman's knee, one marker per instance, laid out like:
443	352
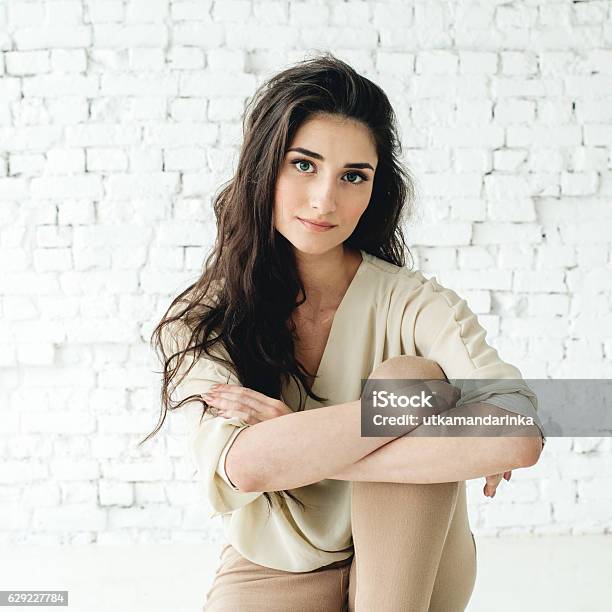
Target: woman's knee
408	366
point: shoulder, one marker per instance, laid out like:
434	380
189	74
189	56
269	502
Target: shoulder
406	283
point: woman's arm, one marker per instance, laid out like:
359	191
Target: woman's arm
417	459
298	449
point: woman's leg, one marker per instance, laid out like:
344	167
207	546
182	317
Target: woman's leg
457	570
241	585
413	545
408	544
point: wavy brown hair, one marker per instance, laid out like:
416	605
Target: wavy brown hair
244	299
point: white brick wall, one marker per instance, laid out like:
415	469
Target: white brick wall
119	120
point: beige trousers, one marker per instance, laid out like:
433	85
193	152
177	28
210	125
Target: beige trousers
414	552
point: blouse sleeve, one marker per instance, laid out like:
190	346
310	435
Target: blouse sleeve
210	436
441	327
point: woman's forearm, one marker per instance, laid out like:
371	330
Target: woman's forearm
299	448
415	458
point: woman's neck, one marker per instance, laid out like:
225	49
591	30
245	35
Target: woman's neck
326	277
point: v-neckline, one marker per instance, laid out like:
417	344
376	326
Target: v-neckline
343	302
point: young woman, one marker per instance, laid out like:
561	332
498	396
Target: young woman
306	290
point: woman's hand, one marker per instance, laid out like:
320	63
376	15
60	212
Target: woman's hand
250	406
493	481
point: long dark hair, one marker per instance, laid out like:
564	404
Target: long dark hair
250	286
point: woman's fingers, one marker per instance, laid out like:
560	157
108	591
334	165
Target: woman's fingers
491	484
244	392
228	398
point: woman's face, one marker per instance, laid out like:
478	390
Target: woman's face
328	181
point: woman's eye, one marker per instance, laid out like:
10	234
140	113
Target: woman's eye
298	164
301	161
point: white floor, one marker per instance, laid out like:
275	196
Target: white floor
561	574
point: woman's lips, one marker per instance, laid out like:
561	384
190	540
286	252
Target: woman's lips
314	227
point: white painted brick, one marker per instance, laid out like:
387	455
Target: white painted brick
559	136
518	63
27	470
546	349
184	159
509	160
436	62
68	469
36	353
150	492
56	36
546	160
470	160
67	110
72	212
185	58
539	280
63	60
151	59
108	446
9	421
86	516
593	110
147	160
395	62
477	62
436	258
79	492
106	160
65	161
149	517
579	183
579	349
104	12
551	304
146	11
552	112
14	259
555	256
21	63
536	327
191	10
475	257
511	208
506	514
41	495
481	279
29	283
505	233
468	209
58	422
120	36
30	446
50	260
456	233
26	165
116	493
585	231
509	111
143	470
14	517
478	301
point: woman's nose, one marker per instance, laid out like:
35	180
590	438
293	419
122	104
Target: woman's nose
323	199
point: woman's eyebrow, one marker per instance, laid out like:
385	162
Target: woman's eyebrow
359	165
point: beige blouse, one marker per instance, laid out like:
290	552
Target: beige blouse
386	311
